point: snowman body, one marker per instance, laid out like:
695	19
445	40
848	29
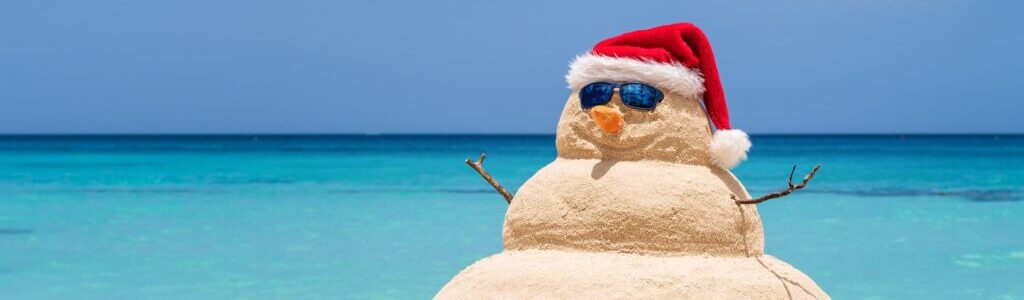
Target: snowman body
639	203
641	214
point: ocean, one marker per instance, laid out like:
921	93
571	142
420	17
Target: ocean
396	216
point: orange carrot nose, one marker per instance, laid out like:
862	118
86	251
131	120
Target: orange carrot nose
607	118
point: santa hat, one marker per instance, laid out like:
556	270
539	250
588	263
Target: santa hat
674	57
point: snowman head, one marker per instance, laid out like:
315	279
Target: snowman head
676	130
651	94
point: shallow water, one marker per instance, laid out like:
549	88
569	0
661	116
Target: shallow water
307	217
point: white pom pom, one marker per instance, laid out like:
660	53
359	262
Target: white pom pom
729	147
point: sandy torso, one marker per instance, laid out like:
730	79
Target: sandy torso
600	229
645	207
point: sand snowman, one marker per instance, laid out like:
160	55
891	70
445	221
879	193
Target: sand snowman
639	203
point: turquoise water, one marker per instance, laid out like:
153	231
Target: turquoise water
393	217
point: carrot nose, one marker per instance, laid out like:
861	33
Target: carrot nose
607	118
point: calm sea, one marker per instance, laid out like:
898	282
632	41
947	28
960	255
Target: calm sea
395	217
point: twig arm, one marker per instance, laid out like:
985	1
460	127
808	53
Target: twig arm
479	167
792	188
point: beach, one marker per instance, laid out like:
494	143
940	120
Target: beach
396	216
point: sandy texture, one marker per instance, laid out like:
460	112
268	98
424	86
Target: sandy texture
636	207
638	214
538	274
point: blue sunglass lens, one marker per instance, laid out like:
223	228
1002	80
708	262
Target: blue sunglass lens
640	96
595	94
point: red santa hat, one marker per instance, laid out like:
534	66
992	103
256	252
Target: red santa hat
677	58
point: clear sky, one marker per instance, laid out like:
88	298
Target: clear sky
471	67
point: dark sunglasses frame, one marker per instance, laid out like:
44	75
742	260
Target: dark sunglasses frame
617	88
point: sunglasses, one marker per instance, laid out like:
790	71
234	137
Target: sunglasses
636	95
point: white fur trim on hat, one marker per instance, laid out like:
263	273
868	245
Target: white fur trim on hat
589	68
729	147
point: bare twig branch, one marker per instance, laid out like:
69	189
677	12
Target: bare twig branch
479	167
792	188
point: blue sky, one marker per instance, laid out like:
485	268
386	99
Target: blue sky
470	67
